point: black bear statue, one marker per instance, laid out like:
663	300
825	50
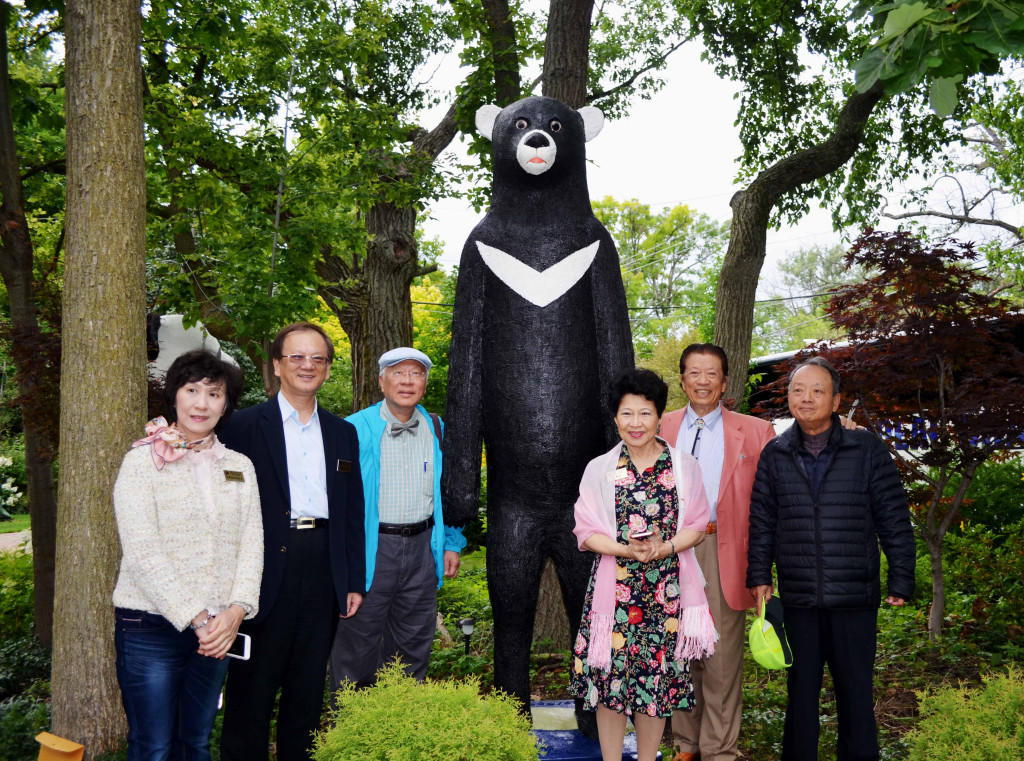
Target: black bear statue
540	330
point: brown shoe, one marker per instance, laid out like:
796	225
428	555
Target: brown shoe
682	755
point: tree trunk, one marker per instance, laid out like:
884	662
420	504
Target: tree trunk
551	622
371	298
104	362
567	51
741	268
935	614
32	371
501	33
376	313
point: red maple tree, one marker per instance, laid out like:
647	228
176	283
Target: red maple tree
935	359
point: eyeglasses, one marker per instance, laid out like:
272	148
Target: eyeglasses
300	359
410	374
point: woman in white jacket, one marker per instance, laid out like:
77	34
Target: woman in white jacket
188	515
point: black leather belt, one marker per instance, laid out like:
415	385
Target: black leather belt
407	529
308	522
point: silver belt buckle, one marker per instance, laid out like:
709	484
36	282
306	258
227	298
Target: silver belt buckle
305	522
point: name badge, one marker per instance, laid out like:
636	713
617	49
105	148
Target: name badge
234	475
618	475
344	466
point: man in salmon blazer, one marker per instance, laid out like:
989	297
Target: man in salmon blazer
727	445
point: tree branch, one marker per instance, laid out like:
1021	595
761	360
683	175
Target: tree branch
651	64
57	166
963	219
439	138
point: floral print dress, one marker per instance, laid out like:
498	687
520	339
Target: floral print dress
644	678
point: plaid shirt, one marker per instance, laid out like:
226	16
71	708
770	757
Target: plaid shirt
406	471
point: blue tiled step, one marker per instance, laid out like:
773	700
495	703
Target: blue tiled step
555	725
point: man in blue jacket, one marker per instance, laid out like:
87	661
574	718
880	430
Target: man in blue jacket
823	499
408	547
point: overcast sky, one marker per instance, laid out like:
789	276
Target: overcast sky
680	147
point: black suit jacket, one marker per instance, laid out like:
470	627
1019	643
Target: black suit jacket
258	433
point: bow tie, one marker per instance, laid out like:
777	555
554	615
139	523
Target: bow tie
397	429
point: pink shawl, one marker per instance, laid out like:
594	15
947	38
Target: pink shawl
595	514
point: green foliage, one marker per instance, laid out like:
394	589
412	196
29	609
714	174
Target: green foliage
23	661
940	43
466	595
21	719
13	482
985	589
16	600
670	261
995	498
984	724
432	331
446	720
787	322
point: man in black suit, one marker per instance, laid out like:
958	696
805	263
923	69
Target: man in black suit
314	564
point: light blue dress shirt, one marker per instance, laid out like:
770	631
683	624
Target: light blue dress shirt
307	469
710	452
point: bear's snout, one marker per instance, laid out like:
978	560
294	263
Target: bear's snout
538	140
536	152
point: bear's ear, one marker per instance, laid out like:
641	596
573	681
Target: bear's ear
485	116
593	121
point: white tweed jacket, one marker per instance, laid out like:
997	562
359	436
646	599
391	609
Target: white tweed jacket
177	558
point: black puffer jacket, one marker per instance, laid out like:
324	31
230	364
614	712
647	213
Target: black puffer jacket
826	551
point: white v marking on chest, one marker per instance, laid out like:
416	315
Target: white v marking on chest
540	288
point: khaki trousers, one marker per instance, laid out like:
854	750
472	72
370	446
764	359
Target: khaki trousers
712	728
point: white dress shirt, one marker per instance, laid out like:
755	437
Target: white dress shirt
710	451
307	469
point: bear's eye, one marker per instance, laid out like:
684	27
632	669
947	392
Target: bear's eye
522	124
556	126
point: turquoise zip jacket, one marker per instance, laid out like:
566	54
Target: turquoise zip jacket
369	428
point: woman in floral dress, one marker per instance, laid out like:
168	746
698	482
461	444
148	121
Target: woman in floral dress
641	510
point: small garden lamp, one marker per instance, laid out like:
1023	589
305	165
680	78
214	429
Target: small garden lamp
467	625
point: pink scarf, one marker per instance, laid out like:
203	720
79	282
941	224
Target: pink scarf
595	514
167	444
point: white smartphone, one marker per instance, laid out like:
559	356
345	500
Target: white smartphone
640	534
240	647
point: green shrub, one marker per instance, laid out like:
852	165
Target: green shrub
21	719
465	595
985	584
972	725
16	603
400	719
13	481
22	662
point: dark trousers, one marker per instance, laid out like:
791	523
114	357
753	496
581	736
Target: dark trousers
398	616
169	690
845	640
290	647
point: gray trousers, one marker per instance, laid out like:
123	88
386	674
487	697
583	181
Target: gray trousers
398	616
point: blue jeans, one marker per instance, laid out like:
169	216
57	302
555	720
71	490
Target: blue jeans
169	691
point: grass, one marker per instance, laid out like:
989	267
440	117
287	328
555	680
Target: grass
19	523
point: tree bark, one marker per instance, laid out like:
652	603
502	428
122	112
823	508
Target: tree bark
501	33
371	297
32	371
103	366
551	622
741	268
567	51
935	613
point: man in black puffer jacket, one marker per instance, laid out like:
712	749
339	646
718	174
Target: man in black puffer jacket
823	499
